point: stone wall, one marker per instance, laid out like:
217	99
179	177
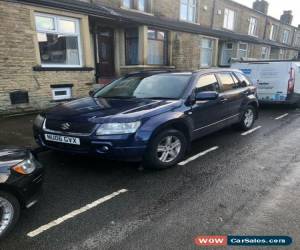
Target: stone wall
17	59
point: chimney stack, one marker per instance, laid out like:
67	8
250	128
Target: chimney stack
261	6
287	17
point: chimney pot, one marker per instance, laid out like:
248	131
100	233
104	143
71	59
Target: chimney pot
261	6
287	17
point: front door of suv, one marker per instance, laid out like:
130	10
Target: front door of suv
207	114
232	96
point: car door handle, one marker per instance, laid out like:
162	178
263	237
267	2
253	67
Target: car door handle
223	99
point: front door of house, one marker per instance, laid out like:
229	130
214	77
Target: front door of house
105	52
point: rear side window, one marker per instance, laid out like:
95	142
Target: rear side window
207	83
227	81
243	80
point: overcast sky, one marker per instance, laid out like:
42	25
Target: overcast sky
276	8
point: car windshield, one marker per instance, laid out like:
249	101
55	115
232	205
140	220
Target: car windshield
163	86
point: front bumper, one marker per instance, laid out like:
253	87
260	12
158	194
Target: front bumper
27	187
116	147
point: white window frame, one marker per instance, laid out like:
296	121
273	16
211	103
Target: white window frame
131	2
297	41
56	31
209	49
139	7
286	36
67	96
228	14
190	3
244	50
273	32
267	52
253	22
224	49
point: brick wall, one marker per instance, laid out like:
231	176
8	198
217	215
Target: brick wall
18	57
242	17
186	51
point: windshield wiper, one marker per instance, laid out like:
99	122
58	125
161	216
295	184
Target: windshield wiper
161	98
119	97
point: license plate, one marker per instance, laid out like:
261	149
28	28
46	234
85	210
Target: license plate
63	139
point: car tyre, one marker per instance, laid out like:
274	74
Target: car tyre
13	206
166	149
248	118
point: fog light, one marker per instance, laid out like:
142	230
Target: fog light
105	148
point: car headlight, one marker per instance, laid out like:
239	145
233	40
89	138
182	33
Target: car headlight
25	167
118	128
39	120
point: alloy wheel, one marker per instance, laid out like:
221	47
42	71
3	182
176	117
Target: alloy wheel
249	118
168	149
6	213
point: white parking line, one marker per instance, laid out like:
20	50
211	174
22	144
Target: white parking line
197	156
252	130
74	213
282	116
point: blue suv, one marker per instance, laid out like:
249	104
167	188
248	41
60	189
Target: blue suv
150	116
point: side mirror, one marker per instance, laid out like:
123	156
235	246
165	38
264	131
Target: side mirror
92	92
244	84
207	95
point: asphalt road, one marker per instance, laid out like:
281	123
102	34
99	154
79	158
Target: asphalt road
239	185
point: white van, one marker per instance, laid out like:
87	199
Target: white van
276	81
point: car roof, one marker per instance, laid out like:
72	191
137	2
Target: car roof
176	72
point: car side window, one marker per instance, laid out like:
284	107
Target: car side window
243	80
207	83
227	81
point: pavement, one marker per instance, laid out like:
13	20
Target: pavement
236	185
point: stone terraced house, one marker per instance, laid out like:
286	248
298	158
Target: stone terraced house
57	50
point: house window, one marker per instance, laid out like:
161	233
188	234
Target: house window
252	27
243	50
286	35
129	4
281	54
59	40
227	53
157	47
297	41
229	16
265	53
142	5
59	94
131	46
206	52
188	10
273	32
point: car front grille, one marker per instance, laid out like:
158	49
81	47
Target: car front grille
69	127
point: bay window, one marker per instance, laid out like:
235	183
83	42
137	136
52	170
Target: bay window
206	53
59	40
131	46
265	53
128	4
243	50
188	10
142	5
157	47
